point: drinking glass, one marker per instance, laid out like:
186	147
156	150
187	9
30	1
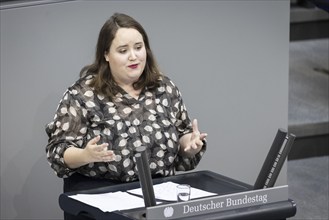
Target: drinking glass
183	192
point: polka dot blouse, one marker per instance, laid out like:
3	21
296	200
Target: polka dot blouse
156	120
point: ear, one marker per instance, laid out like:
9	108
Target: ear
106	56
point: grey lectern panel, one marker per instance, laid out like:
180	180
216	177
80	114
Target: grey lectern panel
205	180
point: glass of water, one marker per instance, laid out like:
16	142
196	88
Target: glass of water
183	192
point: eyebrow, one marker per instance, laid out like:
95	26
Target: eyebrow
126	45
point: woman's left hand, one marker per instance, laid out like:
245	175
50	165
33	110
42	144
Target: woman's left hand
191	143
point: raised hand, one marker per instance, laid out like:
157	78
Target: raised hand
192	143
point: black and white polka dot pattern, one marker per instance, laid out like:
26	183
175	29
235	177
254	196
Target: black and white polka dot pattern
157	119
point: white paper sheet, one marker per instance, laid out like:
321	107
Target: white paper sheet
113	201
167	191
109	202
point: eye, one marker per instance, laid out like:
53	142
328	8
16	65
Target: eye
122	51
139	47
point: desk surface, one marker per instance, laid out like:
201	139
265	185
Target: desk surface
205	180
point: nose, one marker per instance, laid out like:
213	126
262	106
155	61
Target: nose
132	55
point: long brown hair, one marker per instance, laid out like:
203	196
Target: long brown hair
103	81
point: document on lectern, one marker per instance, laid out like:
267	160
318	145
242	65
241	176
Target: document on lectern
167	191
112	201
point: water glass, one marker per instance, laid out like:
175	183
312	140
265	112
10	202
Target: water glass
183	192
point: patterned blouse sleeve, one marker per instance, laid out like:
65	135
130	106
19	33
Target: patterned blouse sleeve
67	129
184	126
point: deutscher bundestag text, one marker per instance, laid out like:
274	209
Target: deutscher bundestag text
228	202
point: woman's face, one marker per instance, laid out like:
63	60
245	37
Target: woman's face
127	56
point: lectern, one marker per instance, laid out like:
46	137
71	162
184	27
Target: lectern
205	180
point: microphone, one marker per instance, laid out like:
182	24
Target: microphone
275	159
270	159
280	160
145	178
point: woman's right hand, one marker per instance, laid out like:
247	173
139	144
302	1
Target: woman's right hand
98	153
